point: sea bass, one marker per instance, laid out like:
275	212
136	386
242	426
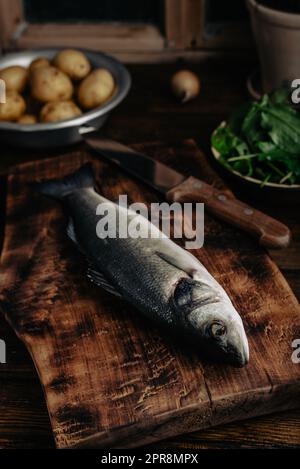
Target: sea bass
159	278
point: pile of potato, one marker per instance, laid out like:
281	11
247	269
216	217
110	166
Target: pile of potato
51	92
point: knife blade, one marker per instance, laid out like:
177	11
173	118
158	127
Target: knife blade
179	188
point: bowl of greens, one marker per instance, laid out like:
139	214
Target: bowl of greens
260	143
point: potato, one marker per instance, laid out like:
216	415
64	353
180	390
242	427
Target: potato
39	62
14	107
50	84
96	88
59	111
15	78
27	119
73	63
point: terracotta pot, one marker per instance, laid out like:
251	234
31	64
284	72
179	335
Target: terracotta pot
277	35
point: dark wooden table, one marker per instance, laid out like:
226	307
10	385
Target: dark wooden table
151	113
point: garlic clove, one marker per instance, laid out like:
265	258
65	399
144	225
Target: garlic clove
185	85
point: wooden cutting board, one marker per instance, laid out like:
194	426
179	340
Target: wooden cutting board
111	378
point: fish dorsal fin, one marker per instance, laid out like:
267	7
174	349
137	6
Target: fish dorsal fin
101	281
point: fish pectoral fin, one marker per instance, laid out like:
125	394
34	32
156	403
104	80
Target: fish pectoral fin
93	274
100	280
71	231
182	260
72	235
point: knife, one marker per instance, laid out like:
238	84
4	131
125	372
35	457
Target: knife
179	188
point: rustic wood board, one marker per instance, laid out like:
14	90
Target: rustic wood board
110	377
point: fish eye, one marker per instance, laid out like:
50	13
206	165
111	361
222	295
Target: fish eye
217	329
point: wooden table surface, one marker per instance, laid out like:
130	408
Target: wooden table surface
150	113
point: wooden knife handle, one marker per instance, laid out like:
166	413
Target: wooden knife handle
270	232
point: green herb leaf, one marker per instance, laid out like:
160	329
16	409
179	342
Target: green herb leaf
283	124
262	139
251	127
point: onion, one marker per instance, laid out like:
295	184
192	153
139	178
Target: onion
185	85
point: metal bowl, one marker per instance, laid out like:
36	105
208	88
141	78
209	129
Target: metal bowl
71	130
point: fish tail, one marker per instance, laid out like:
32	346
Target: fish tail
59	188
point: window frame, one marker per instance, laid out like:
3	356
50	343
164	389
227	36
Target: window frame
184	34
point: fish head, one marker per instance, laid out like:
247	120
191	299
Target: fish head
208	314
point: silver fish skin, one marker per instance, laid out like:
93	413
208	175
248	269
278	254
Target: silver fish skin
159	278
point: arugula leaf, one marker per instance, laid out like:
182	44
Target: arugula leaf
266	147
262	139
251	127
283	124
281	96
226	142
